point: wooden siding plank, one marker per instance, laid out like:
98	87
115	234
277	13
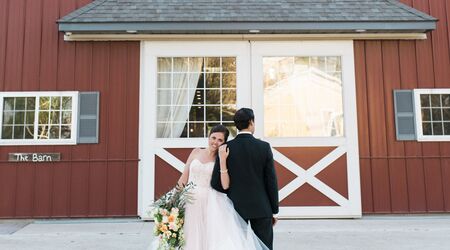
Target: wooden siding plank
81	168
32	46
377	133
414	167
116	128
363	127
99	170
397	167
47	82
132	135
4	6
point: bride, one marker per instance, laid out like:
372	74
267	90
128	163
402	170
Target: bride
211	223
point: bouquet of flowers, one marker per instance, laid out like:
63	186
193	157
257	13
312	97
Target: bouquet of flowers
168	214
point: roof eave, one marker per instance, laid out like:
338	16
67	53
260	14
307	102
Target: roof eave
246	27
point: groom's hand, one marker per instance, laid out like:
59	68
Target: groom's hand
274	221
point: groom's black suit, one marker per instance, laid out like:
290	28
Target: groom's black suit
253	183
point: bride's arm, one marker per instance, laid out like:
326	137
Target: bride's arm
185	176
224	177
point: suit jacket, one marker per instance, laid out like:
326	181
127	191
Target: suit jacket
253	181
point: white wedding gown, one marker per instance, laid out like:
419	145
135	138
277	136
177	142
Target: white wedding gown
211	223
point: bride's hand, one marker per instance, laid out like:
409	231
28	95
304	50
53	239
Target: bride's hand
223	152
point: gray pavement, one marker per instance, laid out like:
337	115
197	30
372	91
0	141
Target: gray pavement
427	232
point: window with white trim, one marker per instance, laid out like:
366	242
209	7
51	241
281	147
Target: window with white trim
38	118
432	108
303	96
195	94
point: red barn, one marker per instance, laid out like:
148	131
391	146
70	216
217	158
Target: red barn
102	101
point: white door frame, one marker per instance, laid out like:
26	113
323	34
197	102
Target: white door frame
249	94
347	144
149	145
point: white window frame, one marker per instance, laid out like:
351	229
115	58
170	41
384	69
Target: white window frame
418	114
37	94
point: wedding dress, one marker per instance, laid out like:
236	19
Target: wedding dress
211	223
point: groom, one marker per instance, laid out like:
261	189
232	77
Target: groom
253	181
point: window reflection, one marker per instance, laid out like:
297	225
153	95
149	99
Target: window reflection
303	96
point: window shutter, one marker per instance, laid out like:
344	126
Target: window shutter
404	115
88	106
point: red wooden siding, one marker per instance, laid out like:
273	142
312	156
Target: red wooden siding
402	177
92	180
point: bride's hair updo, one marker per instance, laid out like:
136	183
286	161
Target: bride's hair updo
221	129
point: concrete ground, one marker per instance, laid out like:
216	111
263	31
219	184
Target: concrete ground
426	232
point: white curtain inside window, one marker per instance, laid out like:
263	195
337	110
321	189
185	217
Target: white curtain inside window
185	81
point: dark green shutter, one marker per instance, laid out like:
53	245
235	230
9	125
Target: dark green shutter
405	124
88	117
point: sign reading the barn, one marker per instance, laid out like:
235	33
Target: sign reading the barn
34	157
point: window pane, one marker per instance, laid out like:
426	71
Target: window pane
229	80
29	117
164	64
446	100
333	63
231	128
65	132
426	115
180	64
435	100
228	113
195	64
304	102
436	114
44	117
212	64
6	132
43	132
425	100
212	96
164	80
194	86
29	132
19	118
426	128
56	102
18	132
229	96
8	103
66	103
437	128
229	64
446	128
20	103
163	130
54	117
180	113
446	113
213	80
196	130
8	118
199	97
66	117
31	103
163	113
54	132
164	97
197	113
44	103
213	113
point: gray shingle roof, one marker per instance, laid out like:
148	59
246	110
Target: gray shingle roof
174	16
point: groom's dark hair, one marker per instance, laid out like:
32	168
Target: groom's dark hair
242	118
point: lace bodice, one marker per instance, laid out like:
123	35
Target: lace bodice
200	173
